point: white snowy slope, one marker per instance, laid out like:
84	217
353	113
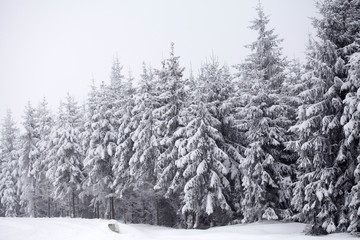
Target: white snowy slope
88	229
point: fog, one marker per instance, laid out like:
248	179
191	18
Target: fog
49	48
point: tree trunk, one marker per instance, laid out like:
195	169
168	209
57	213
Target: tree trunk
196	220
157	212
48	210
124	215
73	204
213	222
97	209
112	209
34	210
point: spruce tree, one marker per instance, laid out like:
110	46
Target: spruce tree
9	166
44	123
124	149
142	163
29	170
100	156
65	153
265	168
326	160
201	166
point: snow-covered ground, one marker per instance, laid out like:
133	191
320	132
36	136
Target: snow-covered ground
89	229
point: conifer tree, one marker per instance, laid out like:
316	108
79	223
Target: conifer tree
142	164
325	159
29	170
265	169
44	123
9	166
89	189
116	78
65	152
124	149
100	157
352	133
171	102
201	166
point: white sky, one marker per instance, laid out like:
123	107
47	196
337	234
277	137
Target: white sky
49	47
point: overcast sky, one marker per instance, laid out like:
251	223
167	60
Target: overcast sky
49	48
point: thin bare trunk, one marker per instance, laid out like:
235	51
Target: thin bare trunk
73	204
157	212
97	209
49	199
112	209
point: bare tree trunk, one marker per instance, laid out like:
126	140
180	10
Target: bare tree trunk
124	214
34	210
97	209
157	212
112	209
186	220
48	210
73	204
195	220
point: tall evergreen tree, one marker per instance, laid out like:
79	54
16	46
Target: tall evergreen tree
124	149
142	164
44	123
9	166
201	166
29	170
325	159
265	169
352	133
100	157
66	154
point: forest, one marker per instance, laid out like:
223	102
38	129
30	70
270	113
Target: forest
269	138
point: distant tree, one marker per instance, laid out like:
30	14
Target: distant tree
100	156
29	170
9	166
44	123
142	164
66	154
201	166
116	78
124	149
170	100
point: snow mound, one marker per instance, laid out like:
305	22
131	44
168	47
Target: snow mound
114	226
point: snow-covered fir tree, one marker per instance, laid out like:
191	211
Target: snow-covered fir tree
124	149
325	159
28	157
88	190
65	153
9	173
352	133
171	102
100	155
116	77
265	168
142	164
44	121
201	165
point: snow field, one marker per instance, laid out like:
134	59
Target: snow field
97	229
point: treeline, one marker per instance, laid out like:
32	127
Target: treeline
276	140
